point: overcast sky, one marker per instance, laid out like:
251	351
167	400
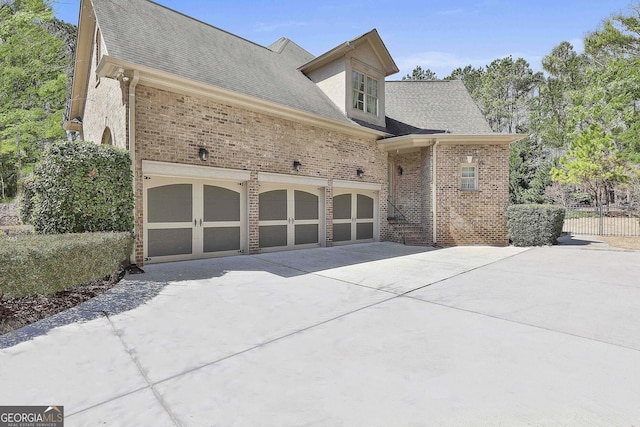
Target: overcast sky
436	34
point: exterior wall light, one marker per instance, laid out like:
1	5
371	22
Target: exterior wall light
297	165
203	153
400	170
360	173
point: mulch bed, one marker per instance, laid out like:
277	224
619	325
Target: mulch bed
18	312
622	242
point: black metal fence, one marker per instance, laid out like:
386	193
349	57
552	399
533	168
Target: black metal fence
608	220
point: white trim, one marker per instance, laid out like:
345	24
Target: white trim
180	170
434	189
339	183
279	178
406	142
475	177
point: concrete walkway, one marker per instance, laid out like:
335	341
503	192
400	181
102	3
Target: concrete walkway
373	334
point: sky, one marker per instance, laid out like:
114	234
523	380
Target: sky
436	34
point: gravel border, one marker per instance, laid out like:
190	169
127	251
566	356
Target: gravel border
126	295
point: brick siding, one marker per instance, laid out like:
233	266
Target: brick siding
171	127
472	217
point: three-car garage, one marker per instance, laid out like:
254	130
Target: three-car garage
197	212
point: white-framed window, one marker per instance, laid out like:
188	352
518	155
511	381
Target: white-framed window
469	180
365	93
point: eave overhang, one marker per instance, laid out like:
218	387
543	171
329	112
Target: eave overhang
409	143
81	67
115	68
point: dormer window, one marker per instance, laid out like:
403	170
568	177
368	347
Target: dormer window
365	93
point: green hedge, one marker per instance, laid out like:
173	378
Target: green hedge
535	225
46	264
82	187
25	206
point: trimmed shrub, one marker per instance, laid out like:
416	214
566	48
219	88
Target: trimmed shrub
83	187
25	206
46	264
535	225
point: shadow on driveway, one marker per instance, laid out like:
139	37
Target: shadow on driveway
135	290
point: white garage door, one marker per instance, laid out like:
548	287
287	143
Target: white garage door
355	218
192	218
290	216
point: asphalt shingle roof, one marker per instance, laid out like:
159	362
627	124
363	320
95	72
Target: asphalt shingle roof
432	106
151	35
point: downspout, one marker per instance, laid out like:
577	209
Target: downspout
434	181
132	145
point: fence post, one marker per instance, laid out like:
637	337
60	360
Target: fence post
601	222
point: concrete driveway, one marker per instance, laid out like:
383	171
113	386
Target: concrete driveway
374	334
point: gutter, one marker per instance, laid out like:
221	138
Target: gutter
132	144
434	181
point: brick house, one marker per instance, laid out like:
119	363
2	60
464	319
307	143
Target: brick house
240	148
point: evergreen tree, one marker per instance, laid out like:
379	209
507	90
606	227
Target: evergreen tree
33	78
419	74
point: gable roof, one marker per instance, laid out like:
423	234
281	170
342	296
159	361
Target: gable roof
432	106
150	35
374	40
291	51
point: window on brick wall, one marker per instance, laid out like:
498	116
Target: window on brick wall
365	93
469	175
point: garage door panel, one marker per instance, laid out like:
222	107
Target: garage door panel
169	242
273	236
306	234
221	204
170	203
364	231
219	239
365	207
342	206
273	205
306	205
341	232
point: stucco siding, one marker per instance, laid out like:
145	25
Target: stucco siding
105	107
332	80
